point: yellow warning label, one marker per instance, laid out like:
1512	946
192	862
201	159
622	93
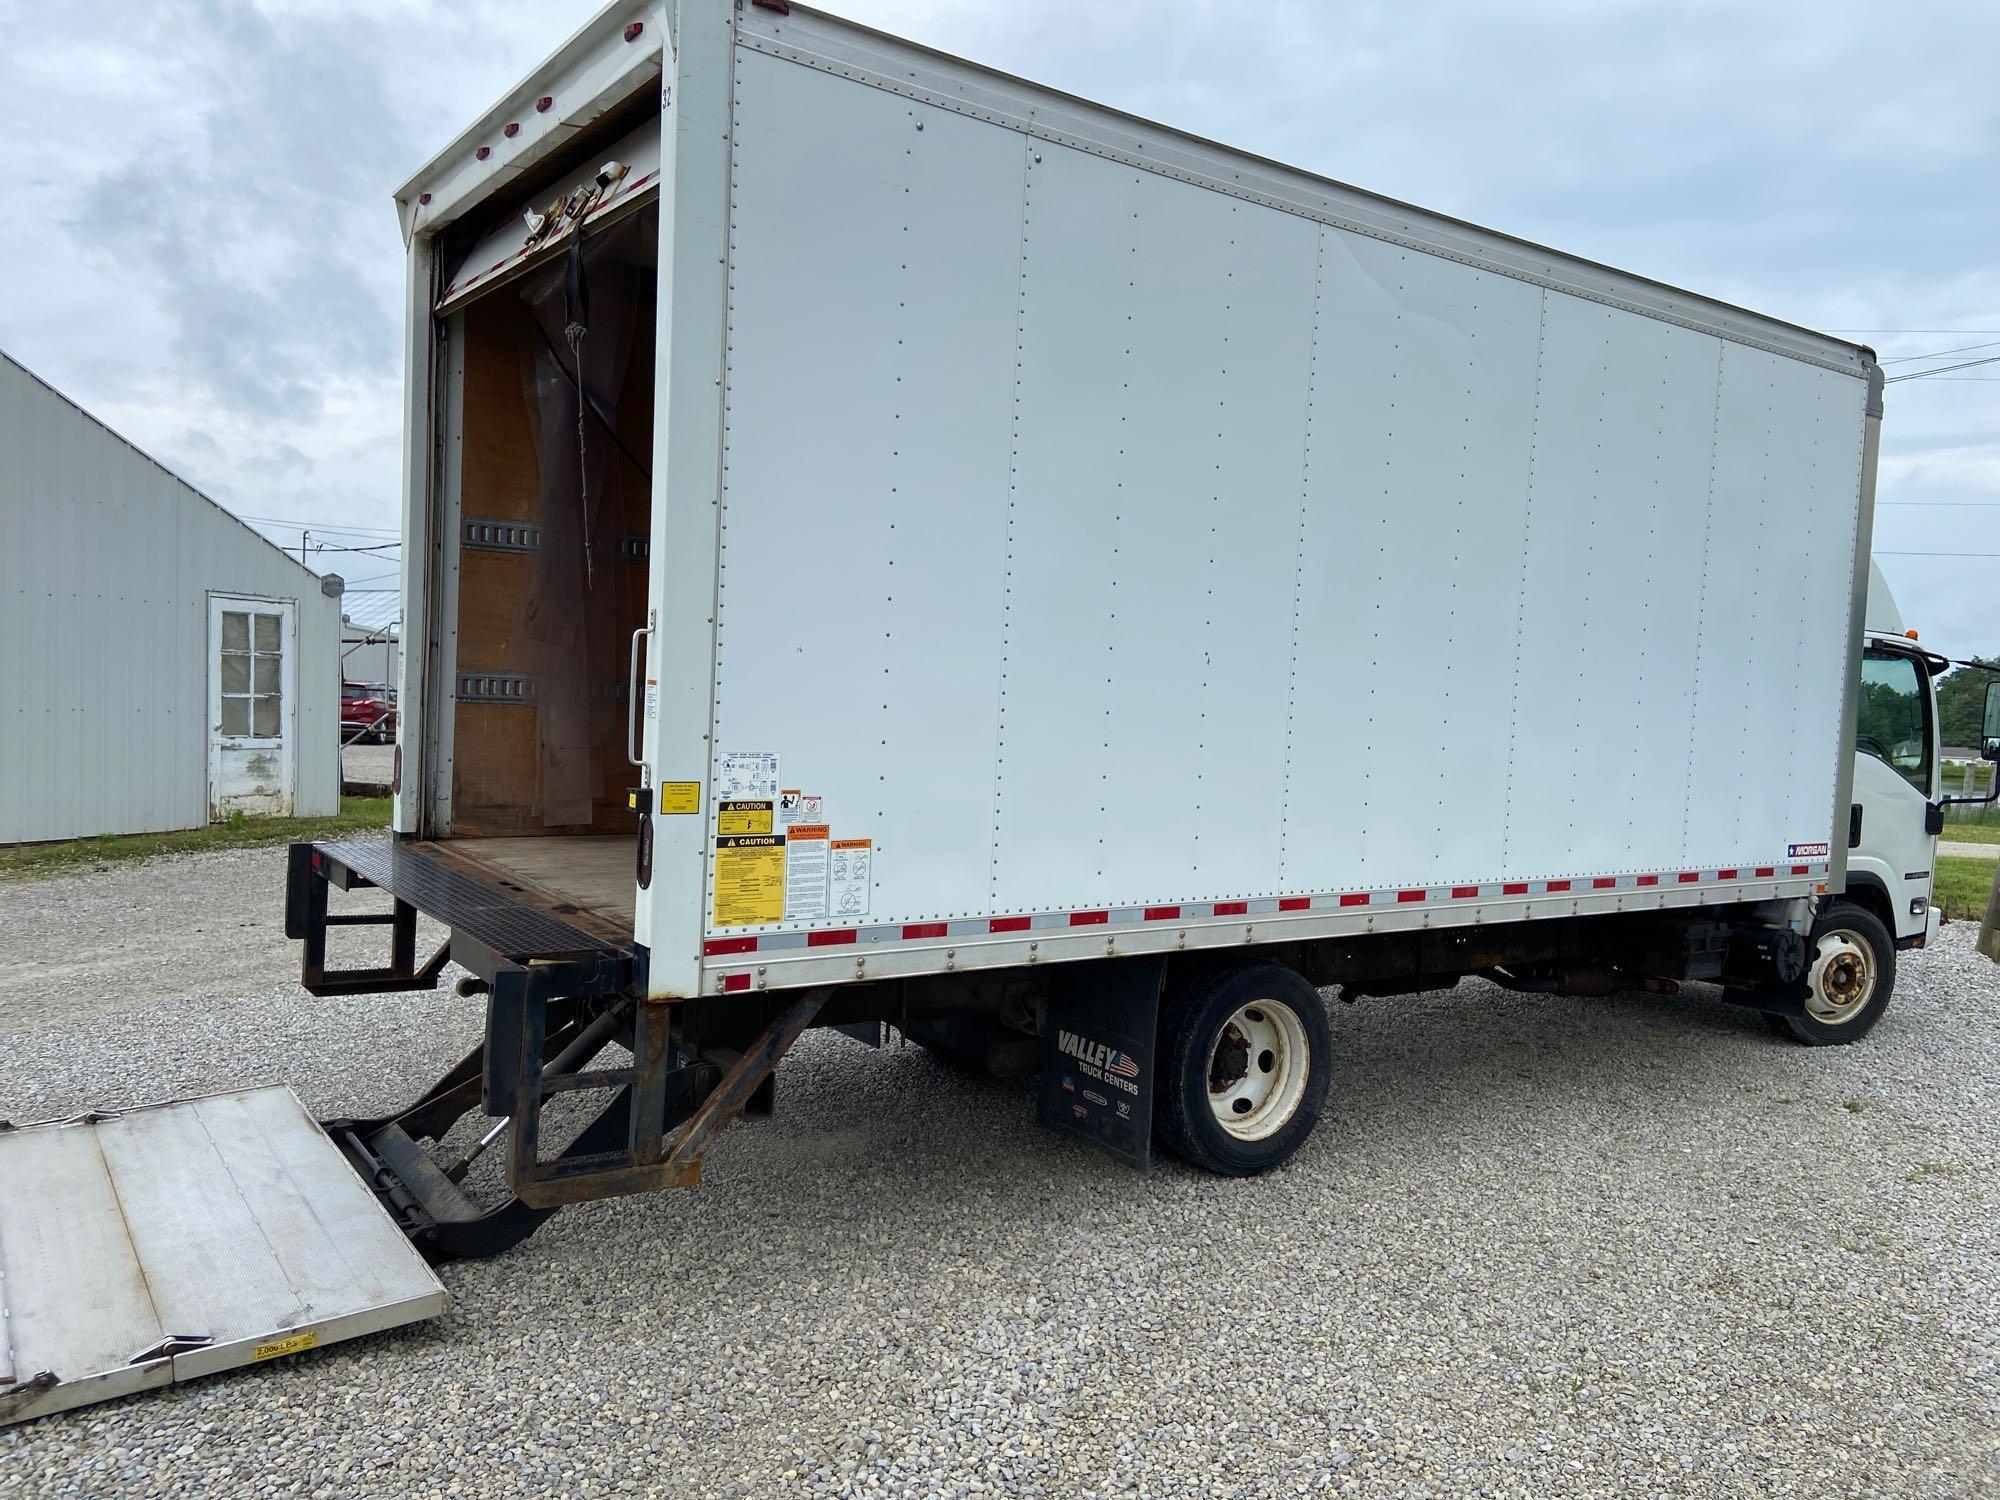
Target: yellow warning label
749	879
680	796
292	1345
743	817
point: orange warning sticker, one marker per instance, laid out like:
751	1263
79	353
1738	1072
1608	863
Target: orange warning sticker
850	882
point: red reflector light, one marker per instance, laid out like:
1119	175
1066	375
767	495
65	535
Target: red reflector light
1007	924
1514	888
543	104
1088	918
1295	903
1725	874
1461	892
1801	869
1689	877
923	929
1558	885
733	982
1163	914
511	130
717	947
634	31
1649	880
1411	895
396	776
646	852
837	937
423	197
1231	908
1765	871
1604	882
1354	898
482	153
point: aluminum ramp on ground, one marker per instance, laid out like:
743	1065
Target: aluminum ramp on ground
154	1245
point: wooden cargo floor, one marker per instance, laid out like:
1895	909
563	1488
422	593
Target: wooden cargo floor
587	879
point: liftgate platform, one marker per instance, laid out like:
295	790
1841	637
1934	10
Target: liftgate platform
147	1246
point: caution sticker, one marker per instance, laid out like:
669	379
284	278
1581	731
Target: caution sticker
680	796
805	872
749	879
850	877
292	1345
742	817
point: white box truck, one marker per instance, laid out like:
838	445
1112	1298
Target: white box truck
888	545
891	544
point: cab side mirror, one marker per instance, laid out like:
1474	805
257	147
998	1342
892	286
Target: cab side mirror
1990	735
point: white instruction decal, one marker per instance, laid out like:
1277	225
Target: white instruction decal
805	872
799	807
746	776
851	877
652	699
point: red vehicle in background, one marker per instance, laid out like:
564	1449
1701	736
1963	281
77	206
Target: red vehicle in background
367	713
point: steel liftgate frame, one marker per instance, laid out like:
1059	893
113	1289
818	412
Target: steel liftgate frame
667	1107
556	997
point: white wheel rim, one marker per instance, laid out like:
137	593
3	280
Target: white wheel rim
1257	1069
1842	979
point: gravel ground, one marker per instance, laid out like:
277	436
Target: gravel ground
1537	1247
371	764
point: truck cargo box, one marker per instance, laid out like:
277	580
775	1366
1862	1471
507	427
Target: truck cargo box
1041	534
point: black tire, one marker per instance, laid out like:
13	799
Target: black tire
1878	945
1194	1053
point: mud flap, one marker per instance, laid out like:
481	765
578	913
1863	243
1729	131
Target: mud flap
1097	1074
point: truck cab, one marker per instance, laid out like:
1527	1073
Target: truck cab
1895	818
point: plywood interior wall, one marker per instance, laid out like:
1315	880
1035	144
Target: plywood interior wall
536	613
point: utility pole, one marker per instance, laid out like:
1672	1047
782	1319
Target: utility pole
303	534
1989	929
1991	925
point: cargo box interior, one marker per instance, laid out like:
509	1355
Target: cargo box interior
554	499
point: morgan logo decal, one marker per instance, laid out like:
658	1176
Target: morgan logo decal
1807	851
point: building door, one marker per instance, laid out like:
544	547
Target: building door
252	731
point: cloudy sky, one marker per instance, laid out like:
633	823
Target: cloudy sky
199	243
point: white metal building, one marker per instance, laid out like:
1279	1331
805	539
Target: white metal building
164	664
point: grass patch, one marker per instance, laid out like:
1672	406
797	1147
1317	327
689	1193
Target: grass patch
36	861
1970	832
1961	887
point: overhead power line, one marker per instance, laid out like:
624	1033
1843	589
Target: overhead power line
328	527
1991	359
1904	359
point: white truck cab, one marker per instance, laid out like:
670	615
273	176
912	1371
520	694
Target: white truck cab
1895	818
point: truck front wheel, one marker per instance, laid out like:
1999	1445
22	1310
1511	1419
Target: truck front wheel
1243	1069
1850	974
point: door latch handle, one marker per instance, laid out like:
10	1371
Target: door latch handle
632	745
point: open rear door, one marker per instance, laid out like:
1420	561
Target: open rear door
159	1244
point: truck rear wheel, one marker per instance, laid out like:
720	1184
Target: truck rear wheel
1850	974
1243	1069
